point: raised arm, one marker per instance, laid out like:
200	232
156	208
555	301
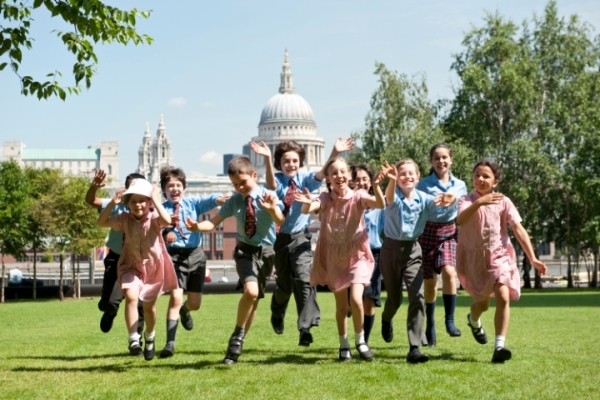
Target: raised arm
308	205
204	226
377	201
389	171
465	215
164	218
97	183
264	151
105	214
523	238
339	146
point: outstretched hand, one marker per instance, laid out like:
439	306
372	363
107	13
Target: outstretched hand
342	145
490	198
191	225
303	197
389	171
262	150
99	177
379	177
268	201
445	199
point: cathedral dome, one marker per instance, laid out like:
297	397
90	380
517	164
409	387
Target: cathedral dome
287	107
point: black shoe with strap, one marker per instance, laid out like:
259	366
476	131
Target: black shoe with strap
149	350
478	332
501	354
364	351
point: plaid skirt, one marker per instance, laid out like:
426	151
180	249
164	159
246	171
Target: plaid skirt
438	243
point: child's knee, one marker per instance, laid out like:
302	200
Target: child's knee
251	290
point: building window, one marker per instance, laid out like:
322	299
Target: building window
109	169
206	241
219	255
163	152
219	240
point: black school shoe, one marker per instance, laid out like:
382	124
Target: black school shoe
135	349
478	333
387	330
234	350
168	350
149	350
305	337
451	329
106	322
367	354
416	357
277	325
501	354
186	320
344	355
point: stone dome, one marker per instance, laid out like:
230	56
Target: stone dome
287	107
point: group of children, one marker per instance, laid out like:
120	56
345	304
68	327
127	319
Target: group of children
407	236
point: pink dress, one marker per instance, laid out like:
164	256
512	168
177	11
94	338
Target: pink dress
484	254
144	262
343	255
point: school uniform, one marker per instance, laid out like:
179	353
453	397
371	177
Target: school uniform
294	256
253	255
401	259
186	252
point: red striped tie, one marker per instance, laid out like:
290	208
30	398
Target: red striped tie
288	200
250	218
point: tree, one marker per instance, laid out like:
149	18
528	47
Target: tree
402	123
13	206
90	21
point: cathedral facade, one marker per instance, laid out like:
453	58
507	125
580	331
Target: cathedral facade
155	153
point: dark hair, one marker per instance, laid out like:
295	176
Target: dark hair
328	165
168	173
433	149
131	177
284	147
491	165
240	165
367	169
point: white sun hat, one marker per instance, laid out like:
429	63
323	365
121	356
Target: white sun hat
137	186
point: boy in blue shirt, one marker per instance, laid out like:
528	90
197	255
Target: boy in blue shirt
255	209
111	295
185	250
293	252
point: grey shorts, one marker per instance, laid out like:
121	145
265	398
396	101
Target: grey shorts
254	264
190	267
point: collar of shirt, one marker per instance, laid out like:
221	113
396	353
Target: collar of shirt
349	194
402	197
144	217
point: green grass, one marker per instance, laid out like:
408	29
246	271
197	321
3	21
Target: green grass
56	350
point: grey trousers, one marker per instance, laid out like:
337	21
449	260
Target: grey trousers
293	262
401	261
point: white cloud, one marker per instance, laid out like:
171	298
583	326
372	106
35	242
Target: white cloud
212	157
208	104
177	101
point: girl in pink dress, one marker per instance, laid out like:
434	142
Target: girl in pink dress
343	257
485	257
145	270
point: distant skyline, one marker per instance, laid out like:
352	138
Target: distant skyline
214	65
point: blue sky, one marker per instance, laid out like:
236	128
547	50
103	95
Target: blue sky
214	65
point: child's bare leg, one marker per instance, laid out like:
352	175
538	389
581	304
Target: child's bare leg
175	304
430	287
247	304
251	317
194	301
356	302
150	315
341	311
502	316
131	310
478	308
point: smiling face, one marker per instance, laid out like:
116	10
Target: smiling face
441	160
484	180
174	190
338	176
408	176
290	163
138	205
243	183
362	181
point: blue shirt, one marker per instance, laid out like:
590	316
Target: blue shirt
192	207
295	221
265	227
374	220
115	238
404	219
433	186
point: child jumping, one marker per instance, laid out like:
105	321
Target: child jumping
405	216
293	253
145	270
438	240
363	176
485	256
343	258
255	209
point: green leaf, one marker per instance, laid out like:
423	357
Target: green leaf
3	65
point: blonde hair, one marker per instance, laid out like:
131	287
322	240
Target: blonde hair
330	163
408	161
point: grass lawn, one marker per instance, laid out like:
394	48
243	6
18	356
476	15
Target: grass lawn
56	350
